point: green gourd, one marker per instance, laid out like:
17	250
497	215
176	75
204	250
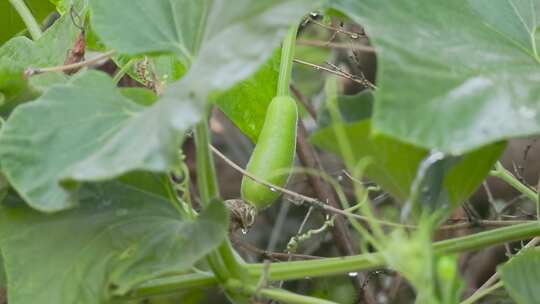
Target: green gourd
273	156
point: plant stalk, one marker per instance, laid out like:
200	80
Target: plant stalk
485	292
284	296
333	266
286	64
223	261
206	171
278	294
509	178
31	24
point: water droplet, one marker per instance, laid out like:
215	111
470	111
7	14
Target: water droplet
353	274
354	36
273	189
340	178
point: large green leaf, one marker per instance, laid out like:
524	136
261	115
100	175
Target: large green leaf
394	164
453	75
94	133
246	102
352	108
223	41
521	275
84	129
21	53
118	238
431	180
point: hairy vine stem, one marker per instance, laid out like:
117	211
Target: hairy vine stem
223	261
339	265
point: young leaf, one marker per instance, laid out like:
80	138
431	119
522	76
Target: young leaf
118	238
246	102
453	75
521	275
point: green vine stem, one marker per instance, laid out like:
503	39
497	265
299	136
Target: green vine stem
27	17
171	285
506	176
334	266
510	179
206	171
482	294
278	294
291	298
223	262
287	57
208	190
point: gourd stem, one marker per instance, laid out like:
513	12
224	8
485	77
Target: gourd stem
27	17
287	56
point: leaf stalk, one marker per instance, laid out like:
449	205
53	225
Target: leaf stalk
28	19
